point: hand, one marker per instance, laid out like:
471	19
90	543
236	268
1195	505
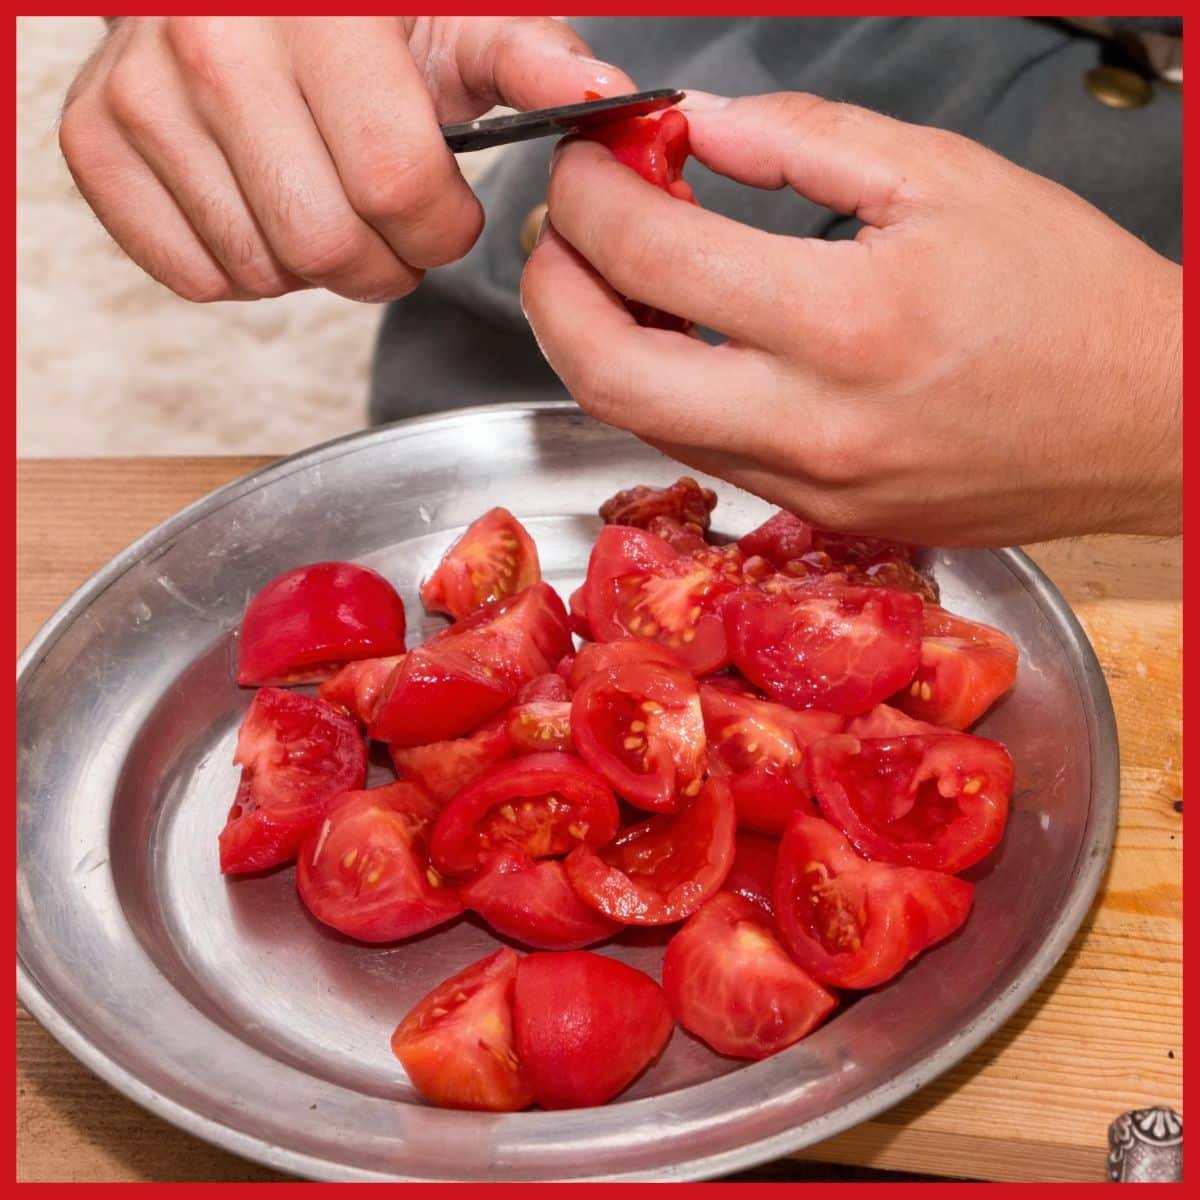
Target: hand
241	157
990	361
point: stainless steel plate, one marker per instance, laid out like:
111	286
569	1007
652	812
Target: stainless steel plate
223	1007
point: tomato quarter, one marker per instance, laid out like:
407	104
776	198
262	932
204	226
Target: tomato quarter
752	875
445	768
358	686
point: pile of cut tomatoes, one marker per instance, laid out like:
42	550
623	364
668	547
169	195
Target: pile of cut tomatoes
759	743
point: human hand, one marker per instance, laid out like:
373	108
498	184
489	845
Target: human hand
243	157
990	361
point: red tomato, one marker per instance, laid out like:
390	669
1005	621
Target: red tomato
533	903
585	1026
445	768
826	645
656	147
539	725
297	754
495	558
730	982
457	1044
781	539
679	536
550	686
603	656
465	674
358	686
577	614
366	871
662	870
543	804
684	502
965	668
752	875
760	746
306	623
853	923
639	726
884	721
934	801
639	586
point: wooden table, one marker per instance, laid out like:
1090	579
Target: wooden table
1101	1035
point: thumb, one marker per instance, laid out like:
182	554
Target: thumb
532	62
843	157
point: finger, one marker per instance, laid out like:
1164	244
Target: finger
383	134
531	62
763	289
652	382
244	91
147	99
846	158
139	213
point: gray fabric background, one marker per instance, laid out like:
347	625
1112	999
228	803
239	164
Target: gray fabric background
1014	84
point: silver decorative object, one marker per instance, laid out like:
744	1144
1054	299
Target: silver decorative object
1146	1146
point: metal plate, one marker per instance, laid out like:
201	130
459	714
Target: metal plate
224	1008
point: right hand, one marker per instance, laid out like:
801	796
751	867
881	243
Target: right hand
244	157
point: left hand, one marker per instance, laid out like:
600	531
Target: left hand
990	361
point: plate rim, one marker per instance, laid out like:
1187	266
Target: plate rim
1088	870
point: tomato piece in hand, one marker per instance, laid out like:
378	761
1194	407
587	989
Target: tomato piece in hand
933	801
444	768
752	875
457	1043
684	502
639	726
827	646
543	804
585	1026
853	923
965	668
366	872
461	676
730	982
297	755
662	870
495	558
358	686
533	903
303	625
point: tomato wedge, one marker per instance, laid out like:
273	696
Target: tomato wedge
662	870
533	903
494	559
933	801
461	676
365	870
445	768
297	754
639	726
358	686
965	668
585	1026
684	502
853	923
457	1043
824	645
752	875
541	718
603	656
639	586
543	804
303	625
884	721
730	982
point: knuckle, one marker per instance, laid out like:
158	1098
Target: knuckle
389	180
326	249
77	133
198	286
200	46
129	92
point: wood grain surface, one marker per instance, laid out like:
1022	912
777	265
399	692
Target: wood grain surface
1101	1035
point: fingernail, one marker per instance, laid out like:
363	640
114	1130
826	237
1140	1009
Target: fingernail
704	102
559	147
543	232
603	72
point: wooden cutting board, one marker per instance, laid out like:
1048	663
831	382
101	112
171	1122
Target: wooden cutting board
1101	1035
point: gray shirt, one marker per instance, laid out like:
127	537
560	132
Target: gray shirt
1015	84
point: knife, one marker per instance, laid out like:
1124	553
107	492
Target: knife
551	122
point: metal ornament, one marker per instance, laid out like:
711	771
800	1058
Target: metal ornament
1146	1146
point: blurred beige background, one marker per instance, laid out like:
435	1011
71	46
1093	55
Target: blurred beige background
109	362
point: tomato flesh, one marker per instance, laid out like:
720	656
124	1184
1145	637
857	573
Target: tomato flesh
604	656
457	1043
684	502
494	559
542	804
358	686
303	625
533	903
541	718
297	755
933	801
829	646
444	768
586	1026
853	923
885	721
662	870
752	875
366	872
730	982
